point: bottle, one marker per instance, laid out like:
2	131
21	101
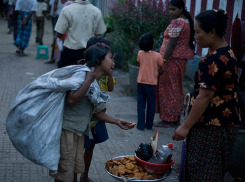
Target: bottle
163	156
167	153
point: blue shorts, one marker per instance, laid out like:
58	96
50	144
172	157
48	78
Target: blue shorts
99	134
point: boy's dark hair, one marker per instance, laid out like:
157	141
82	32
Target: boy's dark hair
180	4
146	42
97	39
213	19
95	54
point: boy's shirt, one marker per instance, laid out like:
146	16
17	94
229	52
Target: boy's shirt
41	6
149	64
103	83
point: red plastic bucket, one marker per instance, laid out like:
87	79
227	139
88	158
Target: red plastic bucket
154	168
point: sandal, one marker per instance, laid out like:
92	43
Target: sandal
50	61
163	124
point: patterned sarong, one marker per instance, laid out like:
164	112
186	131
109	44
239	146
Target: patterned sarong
207	150
24	32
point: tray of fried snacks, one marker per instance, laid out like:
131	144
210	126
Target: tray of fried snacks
125	168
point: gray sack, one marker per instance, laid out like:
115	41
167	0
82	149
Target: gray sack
34	123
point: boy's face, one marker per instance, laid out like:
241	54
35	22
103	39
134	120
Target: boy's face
108	64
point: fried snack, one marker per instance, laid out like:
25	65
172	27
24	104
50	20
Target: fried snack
140	168
121	169
136	167
129	166
128	171
131	157
138	175
136	171
149	177
132	125
133	162
126	161
144	175
114	170
116	162
108	164
121	160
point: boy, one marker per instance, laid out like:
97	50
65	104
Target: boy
149	61
78	112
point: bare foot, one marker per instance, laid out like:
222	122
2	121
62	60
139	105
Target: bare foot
85	179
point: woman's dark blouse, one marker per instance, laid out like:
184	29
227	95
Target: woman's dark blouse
218	71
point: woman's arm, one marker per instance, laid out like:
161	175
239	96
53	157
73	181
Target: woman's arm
74	97
170	48
198	108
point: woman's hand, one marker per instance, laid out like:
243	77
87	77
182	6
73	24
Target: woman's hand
181	133
162	69
124	124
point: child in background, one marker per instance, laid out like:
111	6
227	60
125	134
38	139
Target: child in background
78	112
98	127
41	12
150	62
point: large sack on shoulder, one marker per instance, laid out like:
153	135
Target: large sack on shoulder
34	123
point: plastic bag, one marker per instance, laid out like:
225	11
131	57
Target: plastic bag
144	151
162	156
34	123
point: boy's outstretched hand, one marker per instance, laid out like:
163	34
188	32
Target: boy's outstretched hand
124	124
108	119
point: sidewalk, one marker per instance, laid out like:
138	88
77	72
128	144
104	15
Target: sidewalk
16	72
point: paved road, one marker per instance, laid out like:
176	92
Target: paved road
16	72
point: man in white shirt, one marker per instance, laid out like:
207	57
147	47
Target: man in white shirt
42	8
80	21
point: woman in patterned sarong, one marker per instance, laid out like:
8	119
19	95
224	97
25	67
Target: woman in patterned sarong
210	128
177	48
26	8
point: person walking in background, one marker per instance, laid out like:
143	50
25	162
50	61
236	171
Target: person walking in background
42	8
150	62
6	12
25	8
56	7
210	128
98	127
80	21
13	15
177	48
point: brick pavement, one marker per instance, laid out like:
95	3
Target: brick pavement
16	72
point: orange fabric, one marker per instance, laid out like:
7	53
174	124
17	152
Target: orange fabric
149	64
178	28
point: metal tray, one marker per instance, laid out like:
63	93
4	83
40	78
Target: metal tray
127	179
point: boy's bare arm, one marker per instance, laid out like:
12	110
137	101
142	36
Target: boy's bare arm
108	119
110	83
74	97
